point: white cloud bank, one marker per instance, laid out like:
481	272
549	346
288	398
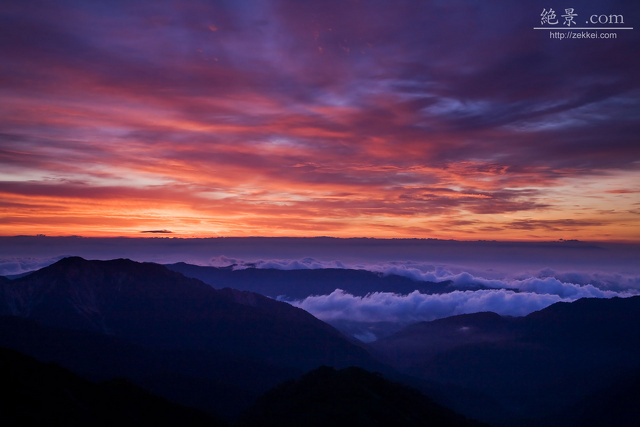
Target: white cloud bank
510	293
416	307
546	280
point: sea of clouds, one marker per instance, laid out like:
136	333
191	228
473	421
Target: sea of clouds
505	289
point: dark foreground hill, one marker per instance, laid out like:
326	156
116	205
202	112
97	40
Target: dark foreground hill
539	367
214	349
38	394
351	397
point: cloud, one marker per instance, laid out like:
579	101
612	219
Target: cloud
278	264
415	307
570	284
511	292
553	286
601	280
351	118
534	295
565	284
514	275
19	265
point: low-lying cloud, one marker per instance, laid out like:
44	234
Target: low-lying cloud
416	307
20	265
543	281
507	292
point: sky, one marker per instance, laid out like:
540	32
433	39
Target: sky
404	119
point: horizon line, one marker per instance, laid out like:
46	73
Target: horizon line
165	237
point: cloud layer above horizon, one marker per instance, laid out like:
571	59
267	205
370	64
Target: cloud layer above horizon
344	118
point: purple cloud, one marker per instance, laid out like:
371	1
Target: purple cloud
303	118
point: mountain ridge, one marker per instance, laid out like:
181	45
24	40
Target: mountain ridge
301	283
189	329
540	364
126	298
218	349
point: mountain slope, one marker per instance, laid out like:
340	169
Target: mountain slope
174	329
299	284
537	365
302	283
35	393
617	404
422	341
219	383
148	304
352	397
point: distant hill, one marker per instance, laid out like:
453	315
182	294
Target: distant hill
350	397
299	284
537	366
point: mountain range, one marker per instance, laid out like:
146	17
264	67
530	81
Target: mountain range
537	367
219	349
298	284
167	332
301	283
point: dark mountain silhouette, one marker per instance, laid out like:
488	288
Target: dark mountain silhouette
165	330
424	340
535	366
617	404
216	382
41	394
147	304
219	349
299	284
352	397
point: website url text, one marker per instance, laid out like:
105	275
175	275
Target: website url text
562	35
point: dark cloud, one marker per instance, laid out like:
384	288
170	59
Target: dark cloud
552	225
432	108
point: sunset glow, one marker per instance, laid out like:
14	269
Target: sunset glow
345	119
